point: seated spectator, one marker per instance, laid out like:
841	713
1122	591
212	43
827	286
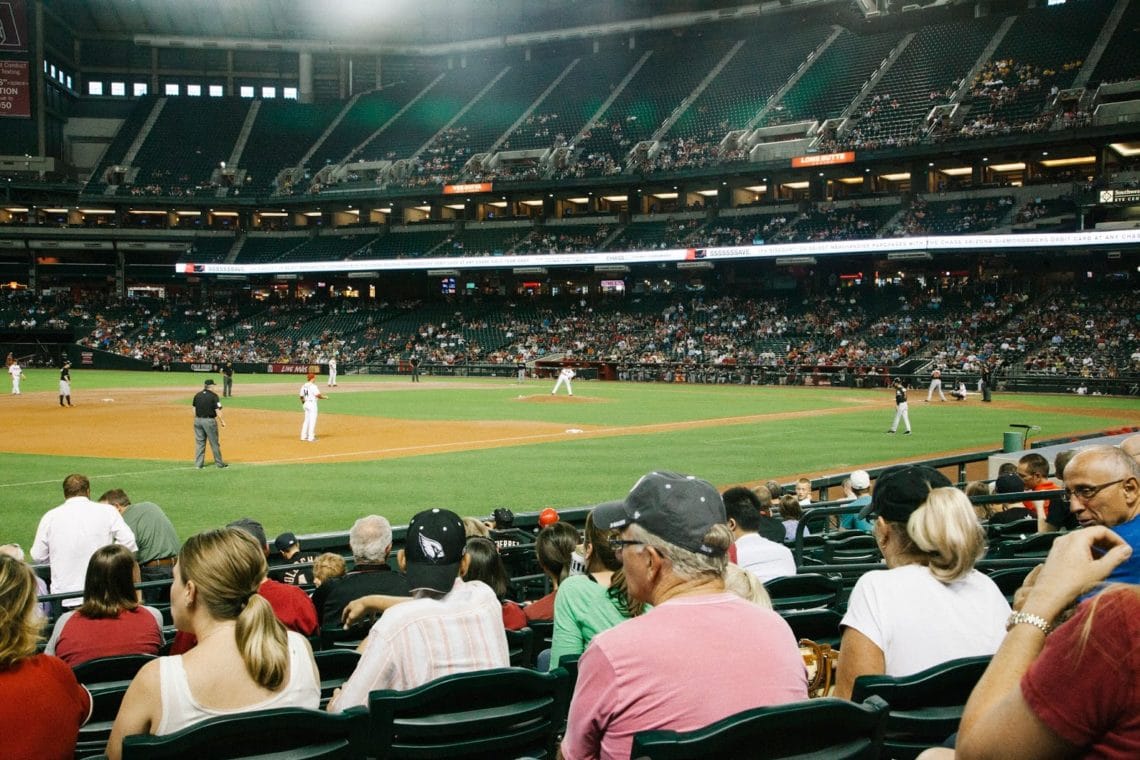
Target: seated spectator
1009	511
763	558
1103	488
110	621
370	541
15	552
328	566
595	601
44	705
861	490
450	626
931	605
290	604
554	547
791	512
746	585
473	526
979	488
244	660
289	553
1072	692
640	675
1033	470
769	527
484	564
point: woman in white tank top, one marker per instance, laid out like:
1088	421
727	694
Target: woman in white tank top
245	660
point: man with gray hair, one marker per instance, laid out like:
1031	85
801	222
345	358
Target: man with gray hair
370	541
641	674
1102	487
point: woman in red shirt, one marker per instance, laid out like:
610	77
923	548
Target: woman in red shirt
45	705
554	548
111	621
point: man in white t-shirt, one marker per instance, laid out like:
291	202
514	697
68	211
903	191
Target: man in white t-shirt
565	375
68	535
309	395
763	558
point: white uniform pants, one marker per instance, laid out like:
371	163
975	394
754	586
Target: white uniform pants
16	384
562	379
309	426
901	413
935	385
332	376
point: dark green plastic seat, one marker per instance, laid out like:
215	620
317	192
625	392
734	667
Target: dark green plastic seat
804	591
830	728
925	707
334	667
285	734
500	713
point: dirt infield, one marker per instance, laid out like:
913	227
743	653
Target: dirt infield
156	424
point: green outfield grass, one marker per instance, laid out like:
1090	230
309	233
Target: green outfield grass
812	437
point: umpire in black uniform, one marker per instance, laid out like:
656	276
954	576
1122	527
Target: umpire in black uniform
207	416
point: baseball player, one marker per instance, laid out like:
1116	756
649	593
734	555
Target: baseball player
935	385
520	367
65	384
309	395
901	408
332	372
16	372
565	375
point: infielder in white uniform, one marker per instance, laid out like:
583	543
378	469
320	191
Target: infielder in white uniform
935	385
564	377
16	373
309	395
901	408
332	372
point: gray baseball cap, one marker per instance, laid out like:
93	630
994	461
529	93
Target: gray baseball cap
678	508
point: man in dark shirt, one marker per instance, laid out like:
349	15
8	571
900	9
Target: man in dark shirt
207	417
228	379
370	540
65	384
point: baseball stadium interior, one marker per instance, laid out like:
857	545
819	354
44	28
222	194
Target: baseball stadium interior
790	192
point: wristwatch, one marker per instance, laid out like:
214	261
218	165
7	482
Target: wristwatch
1034	620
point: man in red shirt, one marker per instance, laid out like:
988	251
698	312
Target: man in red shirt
1033	469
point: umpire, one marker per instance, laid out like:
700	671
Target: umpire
207	415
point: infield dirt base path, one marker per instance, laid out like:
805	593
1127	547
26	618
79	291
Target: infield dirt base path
156	424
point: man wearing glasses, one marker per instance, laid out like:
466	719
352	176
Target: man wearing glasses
1102	487
658	670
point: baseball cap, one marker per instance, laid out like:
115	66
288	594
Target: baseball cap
285	541
860	480
1009	483
433	549
899	491
678	508
210	381
253	528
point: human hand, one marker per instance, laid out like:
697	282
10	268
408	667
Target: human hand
1076	563
353	612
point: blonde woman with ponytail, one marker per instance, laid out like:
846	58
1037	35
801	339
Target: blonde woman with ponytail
930	605
245	659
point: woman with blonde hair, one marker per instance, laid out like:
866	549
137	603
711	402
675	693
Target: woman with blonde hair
111	621
593	602
44	705
930	606
245	659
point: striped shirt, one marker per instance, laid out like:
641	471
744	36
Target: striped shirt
424	639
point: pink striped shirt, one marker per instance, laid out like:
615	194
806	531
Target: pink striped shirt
424	639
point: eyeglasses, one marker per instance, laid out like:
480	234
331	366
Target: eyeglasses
617	544
1085	493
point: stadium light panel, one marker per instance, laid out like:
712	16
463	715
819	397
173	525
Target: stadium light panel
1074	161
707	193
96	210
496	204
455	206
153	212
895	177
1126	149
797	185
578	200
956	171
662	196
531	203
273	214
757	188
620	198
1014	166
850	180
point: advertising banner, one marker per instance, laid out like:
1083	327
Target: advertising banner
15	89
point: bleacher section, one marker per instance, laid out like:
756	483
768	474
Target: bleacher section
1118	62
282	134
409	242
831	222
121	143
960	217
642	234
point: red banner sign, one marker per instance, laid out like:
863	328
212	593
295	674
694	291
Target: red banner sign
824	159
13	26
15	90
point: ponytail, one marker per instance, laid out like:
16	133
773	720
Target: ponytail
263	643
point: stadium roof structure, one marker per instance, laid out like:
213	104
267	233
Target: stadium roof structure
378	22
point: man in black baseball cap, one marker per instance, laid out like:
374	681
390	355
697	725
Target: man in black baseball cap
673	547
450	626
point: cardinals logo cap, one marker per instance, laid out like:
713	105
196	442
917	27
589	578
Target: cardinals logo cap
433	550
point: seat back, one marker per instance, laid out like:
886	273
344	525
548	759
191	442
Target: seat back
1009	581
1034	546
292	732
925	707
804	591
520	648
851	548
821	626
504	712
816	728
334	667
110	670
105	701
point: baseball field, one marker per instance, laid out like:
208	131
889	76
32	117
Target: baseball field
392	447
